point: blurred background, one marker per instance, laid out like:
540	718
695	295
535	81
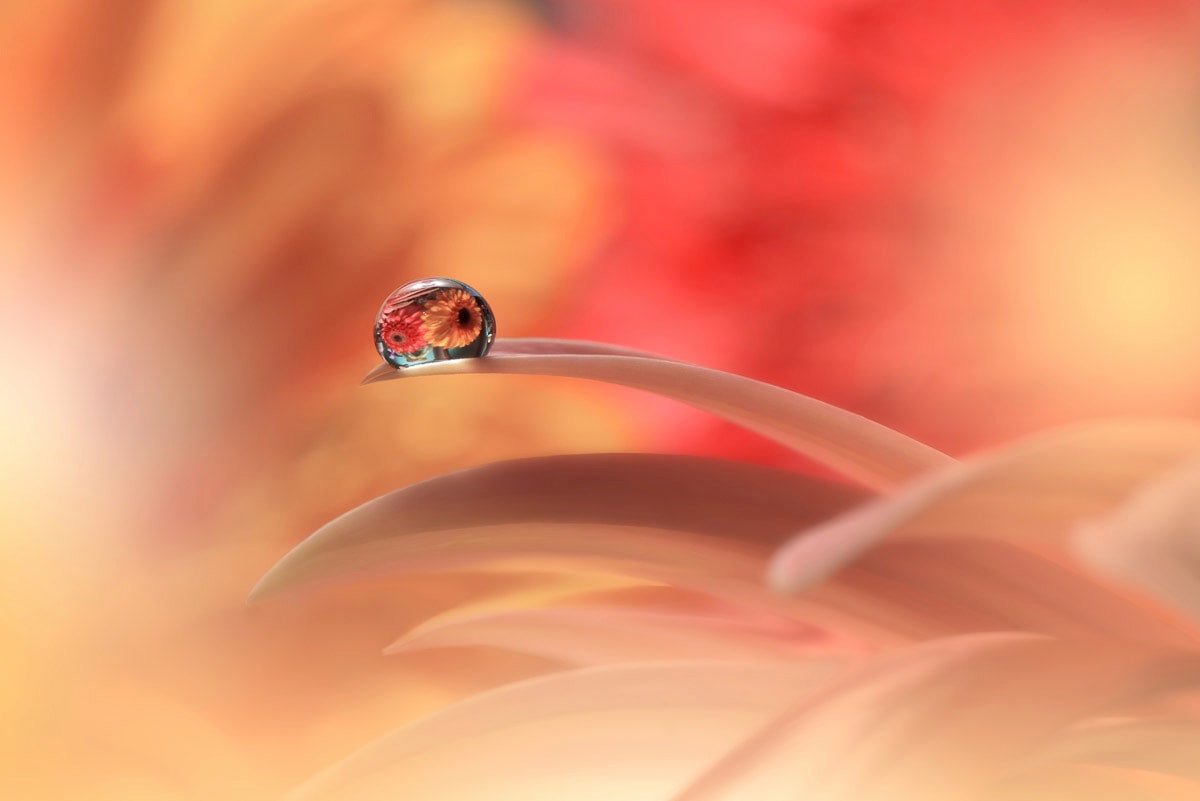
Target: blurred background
968	219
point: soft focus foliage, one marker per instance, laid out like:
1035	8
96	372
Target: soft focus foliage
966	219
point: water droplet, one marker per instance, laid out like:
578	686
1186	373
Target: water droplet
433	320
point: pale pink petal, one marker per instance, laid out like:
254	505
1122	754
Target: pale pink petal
1168	746
628	732
942	721
1084	782
731	511
860	448
643	553
540	591
938	587
1033	490
1153	540
686	562
599	635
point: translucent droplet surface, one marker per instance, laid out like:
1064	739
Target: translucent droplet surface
433	320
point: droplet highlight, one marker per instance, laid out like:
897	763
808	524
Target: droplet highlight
433	320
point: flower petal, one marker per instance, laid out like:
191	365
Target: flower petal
860	448
939	587
631	732
605	634
1067	782
962	713
540	591
1153	540
1169	746
1031	490
733	511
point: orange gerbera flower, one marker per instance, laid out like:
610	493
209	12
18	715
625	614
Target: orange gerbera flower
452	319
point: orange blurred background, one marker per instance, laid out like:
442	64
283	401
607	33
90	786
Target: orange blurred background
968	220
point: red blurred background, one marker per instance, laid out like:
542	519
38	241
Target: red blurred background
968	220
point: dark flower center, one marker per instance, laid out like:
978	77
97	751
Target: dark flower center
464	316
397	337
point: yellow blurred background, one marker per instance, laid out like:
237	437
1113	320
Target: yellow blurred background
202	204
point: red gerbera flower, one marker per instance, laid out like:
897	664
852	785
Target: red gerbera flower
401	330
